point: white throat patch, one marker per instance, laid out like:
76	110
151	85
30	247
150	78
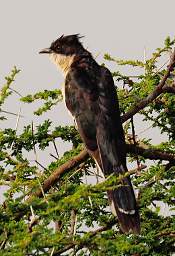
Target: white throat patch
62	61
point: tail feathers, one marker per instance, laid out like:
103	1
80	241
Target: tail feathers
122	199
128	218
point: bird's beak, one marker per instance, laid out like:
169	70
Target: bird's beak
46	50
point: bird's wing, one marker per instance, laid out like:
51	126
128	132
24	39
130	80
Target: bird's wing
91	97
110	136
80	98
111	145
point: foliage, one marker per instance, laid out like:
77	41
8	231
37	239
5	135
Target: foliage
6	91
51	98
72	217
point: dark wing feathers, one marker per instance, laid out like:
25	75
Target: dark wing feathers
80	93
111	144
91	98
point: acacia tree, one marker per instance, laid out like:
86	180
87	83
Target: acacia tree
52	211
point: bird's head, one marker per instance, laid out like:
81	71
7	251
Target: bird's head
63	50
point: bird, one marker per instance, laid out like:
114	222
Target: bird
90	96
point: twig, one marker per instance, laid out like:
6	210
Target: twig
86	182
53	249
42	190
75	172
34	149
33	221
157	71
145	130
2	245
53	156
55	148
73	222
13	90
10	113
40	165
17	120
16	125
135	143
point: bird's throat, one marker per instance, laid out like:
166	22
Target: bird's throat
62	61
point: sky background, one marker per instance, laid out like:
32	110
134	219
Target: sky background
119	27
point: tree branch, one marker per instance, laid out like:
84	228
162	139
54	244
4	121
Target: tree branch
168	88
100	230
152	96
166	233
66	167
150	153
84	243
144	151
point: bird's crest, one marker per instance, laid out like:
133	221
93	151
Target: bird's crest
68	40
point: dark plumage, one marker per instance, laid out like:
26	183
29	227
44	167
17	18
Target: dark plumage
90	96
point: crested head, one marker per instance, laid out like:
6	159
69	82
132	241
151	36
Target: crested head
63	50
67	45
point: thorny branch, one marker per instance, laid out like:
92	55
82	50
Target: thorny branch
91	234
156	92
150	153
66	167
170	89
100	230
83	155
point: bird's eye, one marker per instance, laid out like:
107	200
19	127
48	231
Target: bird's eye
59	48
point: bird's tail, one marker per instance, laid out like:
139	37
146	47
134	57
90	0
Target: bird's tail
122	201
129	223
